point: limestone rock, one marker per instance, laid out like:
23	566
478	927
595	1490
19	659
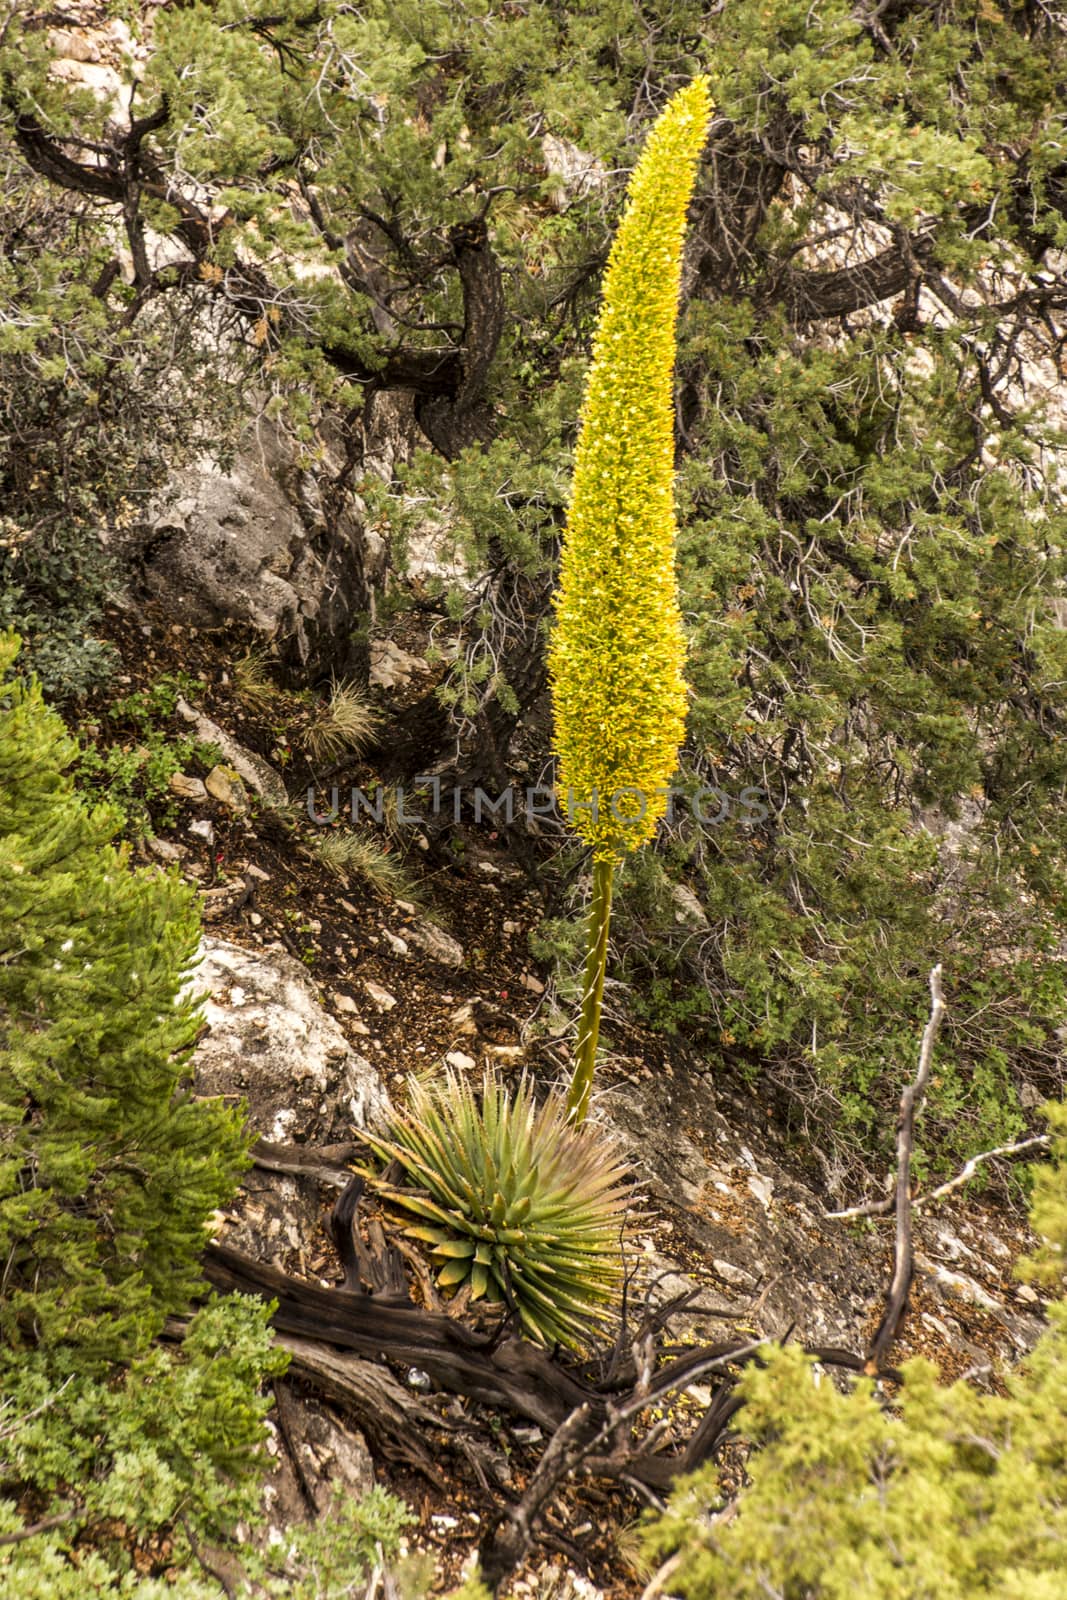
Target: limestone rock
167	850
186	788
728	1187
462	1019
224	785
258	774
379	997
392	667
250	547
433	551
460	1062
437	944
687	908
577	173
328	1456
270	1041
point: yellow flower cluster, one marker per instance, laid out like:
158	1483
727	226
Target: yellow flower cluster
617	650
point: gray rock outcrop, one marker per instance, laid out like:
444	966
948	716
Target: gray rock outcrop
270	1041
251	547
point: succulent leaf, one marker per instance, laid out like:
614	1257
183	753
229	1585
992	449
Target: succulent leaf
453	1273
457	1247
514	1200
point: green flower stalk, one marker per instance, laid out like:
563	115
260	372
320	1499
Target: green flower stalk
617	651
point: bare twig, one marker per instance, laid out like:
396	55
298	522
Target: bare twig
1040	1141
38	1527
866	1208
882	1208
903	1267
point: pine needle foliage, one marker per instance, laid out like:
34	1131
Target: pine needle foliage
514	1201
108	1166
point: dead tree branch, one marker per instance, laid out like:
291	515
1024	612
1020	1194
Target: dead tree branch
897	1297
1040	1141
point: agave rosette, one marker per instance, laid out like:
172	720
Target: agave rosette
514	1200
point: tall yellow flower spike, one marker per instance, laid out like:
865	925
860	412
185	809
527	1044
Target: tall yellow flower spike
617	651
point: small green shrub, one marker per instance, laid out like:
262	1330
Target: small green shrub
959	1495
54	582
176	1437
514	1201
132	756
108	1165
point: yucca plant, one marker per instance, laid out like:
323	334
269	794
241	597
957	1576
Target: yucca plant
617	650
513	1200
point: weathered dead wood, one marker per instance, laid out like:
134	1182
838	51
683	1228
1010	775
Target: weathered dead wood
287	1413
577	1440
329	1164
374	1268
903	1263
513	1535
512	1374
396	1420
330	1333
579	1443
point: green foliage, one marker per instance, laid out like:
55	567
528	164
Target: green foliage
516	1202
176	1450
131	1455
108	1167
133	770
337	1554
101	395
52	589
1048	1205
172	1442
957	1495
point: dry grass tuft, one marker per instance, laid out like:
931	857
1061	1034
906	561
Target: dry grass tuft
357	855
345	724
253	684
